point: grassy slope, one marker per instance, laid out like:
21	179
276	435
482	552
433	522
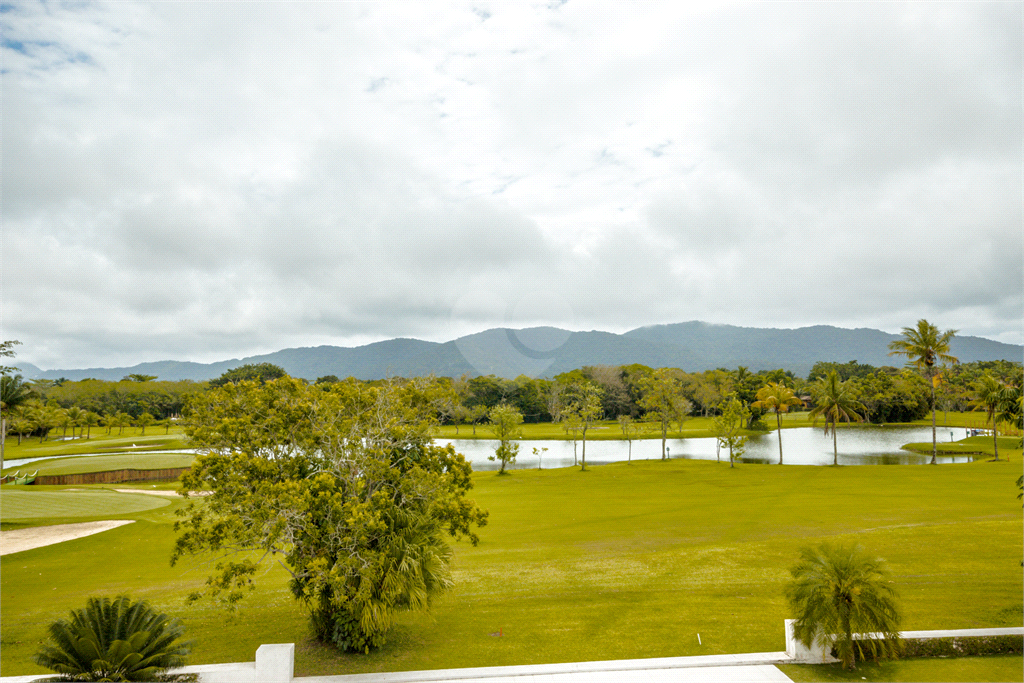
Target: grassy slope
105	463
20	504
99	442
622	561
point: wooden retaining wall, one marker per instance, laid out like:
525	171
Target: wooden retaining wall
112	477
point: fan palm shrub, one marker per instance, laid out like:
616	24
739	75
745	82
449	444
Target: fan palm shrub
838	591
117	640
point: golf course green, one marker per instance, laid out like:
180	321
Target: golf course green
622	561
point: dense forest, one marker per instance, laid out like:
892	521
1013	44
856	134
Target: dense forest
887	394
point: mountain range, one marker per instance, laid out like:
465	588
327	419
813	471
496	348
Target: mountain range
547	351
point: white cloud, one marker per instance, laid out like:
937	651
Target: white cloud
207	180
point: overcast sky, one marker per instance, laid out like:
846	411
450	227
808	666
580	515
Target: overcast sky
202	181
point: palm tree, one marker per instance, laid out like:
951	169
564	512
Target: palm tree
990	396
114	641
923	347
90	420
839	590
776	397
835	400
76	415
144	420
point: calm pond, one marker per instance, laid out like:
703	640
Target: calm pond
862	445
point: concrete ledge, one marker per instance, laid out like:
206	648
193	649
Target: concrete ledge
658	663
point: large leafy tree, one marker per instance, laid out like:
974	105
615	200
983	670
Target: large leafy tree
924	346
835	400
838	591
778	398
342	484
117	640
257	372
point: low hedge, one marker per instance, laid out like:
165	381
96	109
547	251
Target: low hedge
963	647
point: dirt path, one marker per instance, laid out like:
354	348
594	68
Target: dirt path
20	540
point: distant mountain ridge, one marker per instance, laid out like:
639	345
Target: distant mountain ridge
546	351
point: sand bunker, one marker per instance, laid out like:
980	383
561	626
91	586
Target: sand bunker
20	540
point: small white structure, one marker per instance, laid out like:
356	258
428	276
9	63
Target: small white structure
798	652
275	663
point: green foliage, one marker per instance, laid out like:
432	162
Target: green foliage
14	391
835	400
505	423
253	372
342	484
778	398
844	370
161	399
583	410
838	591
663	401
923	347
727	425
7	351
136	377
114	641
963	647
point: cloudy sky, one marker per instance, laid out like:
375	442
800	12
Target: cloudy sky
202	181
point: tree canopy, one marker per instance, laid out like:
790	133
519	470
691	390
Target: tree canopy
341	484
259	372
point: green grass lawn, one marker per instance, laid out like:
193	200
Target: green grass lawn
99	442
1008	446
107	463
996	668
20	504
622	561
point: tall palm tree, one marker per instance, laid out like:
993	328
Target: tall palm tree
835	400
114	641
990	396
778	398
839	590
923	347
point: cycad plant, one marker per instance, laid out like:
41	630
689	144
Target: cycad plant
838	591
117	640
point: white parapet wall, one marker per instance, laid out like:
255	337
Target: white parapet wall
799	652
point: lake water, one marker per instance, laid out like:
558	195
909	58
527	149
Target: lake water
862	445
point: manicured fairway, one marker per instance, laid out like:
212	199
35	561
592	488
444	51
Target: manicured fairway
20	505
99	442
623	561
106	463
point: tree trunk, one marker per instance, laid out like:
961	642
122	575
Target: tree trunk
778	421
835	448
664	434
630	457
583	461
995	438
935	447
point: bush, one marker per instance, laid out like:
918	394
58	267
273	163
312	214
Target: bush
964	647
115	641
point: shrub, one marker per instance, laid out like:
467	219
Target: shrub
964	647
115	641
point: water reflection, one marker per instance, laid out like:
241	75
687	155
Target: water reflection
862	445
